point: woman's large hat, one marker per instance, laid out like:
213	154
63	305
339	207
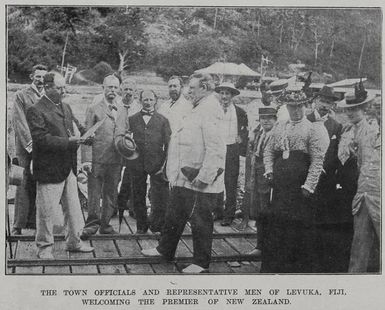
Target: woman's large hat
126	147
227	86
277	87
293	98
327	94
357	98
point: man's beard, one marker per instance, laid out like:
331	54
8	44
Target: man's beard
174	95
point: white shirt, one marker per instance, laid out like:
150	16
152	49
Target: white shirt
229	125
176	111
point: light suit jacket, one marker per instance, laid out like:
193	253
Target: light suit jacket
198	143
23	141
102	150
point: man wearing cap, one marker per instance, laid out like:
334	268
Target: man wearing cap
363	141
293	161
101	161
131	106
196	158
329	217
25	209
54	156
151	133
177	106
235	132
256	199
276	89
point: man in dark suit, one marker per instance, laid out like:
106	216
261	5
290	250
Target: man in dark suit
151	132
235	131
54	167
328	212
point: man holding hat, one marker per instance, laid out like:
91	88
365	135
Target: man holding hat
131	106
235	132
293	161
101	161
151	133
257	188
362	140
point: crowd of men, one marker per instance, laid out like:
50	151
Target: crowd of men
304	173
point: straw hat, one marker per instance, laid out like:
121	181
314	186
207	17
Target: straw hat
227	86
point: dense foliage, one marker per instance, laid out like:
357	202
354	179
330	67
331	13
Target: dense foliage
342	42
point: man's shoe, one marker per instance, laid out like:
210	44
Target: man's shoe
16	231
45	255
151	252
255	252
83	249
131	213
109	231
141	231
85	235
226	222
194	269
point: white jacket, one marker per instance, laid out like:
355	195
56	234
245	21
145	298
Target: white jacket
198	143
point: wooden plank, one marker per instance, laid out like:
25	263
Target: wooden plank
88	269
140	268
219	268
112	269
107	248
221	247
132	248
165	268
58	251
26	250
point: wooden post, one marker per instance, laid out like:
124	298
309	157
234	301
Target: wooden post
361	54
64	53
215	18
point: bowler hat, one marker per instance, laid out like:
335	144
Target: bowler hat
227	86
327	94
126	147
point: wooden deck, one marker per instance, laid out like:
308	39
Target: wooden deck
120	254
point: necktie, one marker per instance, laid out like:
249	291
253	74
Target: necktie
112	107
148	113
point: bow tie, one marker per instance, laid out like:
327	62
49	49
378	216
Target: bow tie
112	107
148	113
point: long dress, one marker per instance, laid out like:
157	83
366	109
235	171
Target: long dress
295	156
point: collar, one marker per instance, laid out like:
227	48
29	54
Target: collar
360	123
296	122
49	99
320	118
113	103
40	94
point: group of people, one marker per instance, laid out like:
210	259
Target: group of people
301	171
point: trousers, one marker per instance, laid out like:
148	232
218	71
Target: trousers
48	197
158	197
184	205
102	183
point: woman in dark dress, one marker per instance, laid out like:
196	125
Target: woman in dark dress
293	162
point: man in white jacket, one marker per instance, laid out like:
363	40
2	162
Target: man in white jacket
195	165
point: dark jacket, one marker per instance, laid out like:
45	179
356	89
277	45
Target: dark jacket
243	131
152	141
52	153
326	193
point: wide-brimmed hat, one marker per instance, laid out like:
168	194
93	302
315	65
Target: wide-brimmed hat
126	147
277	86
327	94
267	111
355	98
228	86
293	98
